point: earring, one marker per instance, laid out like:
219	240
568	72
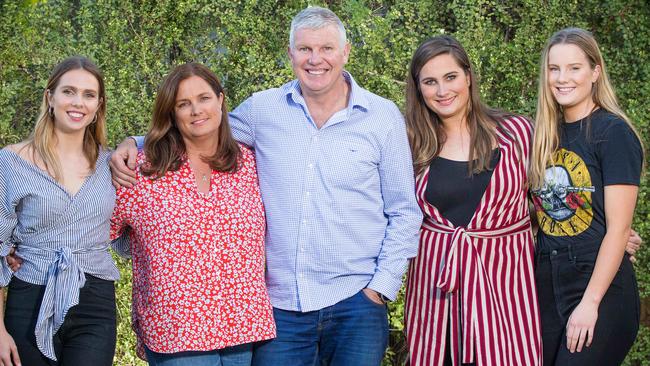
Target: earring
94	119
50	111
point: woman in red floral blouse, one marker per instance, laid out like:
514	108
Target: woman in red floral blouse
196	225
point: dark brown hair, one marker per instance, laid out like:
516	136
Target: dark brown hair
164	146
425	131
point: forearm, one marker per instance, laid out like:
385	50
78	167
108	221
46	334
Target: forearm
608	262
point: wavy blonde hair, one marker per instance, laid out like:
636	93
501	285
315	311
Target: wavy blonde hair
549	115
42	140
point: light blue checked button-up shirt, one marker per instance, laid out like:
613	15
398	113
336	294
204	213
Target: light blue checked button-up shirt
340	201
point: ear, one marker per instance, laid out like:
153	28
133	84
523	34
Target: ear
596	74
289	53
49	97
346	52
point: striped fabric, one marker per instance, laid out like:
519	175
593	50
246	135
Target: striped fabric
59	237
340	202
479	280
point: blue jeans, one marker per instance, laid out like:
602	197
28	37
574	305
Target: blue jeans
232	356
351	332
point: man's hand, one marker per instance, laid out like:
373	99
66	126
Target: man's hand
373	296
633	244
122	163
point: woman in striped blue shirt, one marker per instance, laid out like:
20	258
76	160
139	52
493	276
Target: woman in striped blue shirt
56	204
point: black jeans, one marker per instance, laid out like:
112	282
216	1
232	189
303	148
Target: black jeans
562	277
87	335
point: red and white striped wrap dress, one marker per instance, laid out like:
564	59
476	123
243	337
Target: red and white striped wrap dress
479	278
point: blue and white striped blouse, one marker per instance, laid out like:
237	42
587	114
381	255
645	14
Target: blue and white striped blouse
59	237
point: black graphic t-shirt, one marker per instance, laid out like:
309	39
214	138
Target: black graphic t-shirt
594	152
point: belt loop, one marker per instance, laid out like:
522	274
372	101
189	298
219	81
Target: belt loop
572	257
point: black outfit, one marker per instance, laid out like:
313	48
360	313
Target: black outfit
86	337
456	196
594	152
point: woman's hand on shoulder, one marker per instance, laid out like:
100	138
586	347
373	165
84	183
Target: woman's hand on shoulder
8	350
123	162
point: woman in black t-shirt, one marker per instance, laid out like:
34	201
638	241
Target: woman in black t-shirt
584	173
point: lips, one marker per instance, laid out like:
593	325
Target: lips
76	116
446	102
316	72
198	122
564	90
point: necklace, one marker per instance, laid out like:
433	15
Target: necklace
204	177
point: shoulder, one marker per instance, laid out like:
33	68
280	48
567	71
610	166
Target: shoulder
604	122
21	149
517	127
247	157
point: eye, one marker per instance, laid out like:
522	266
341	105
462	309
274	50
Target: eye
451	77
67	92
428	82
303	49
90	95
205	98
328	48
182	105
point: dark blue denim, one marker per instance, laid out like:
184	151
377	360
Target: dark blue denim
239	355
88	333
352	332
562	276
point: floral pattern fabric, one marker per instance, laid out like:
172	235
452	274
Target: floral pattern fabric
198	259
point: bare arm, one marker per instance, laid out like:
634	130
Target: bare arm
619	210
8	351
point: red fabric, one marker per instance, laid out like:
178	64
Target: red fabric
198	259
481	278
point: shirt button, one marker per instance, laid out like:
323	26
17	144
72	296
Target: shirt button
304	221
310	165
302	249
308	194
301	275
554	252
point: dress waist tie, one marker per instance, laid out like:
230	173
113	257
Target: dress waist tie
463	256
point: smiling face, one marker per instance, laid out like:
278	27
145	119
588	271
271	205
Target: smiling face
444	85
570	79
74	101
317	58
197	109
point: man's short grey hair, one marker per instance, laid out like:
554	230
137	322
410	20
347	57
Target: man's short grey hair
315	17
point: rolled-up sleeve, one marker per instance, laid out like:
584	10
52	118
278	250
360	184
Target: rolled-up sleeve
8	221
400	207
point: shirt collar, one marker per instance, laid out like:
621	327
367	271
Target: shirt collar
358	98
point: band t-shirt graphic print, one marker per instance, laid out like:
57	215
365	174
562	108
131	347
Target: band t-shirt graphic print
594	152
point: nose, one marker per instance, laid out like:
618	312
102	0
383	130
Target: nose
77	100
194	109
561	76
315	57
441	89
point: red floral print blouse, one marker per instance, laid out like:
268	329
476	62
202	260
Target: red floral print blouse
198	259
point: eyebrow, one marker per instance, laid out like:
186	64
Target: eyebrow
200	95
445	75
75	88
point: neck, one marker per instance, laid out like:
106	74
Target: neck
455	125
578	112
69	144
334	99
205	146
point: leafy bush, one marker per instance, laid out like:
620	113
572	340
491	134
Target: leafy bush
244	42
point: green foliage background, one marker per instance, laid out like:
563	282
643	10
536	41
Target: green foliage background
137	42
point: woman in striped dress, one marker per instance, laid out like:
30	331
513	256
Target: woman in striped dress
56	204
471	293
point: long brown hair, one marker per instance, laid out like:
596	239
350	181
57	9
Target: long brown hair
164	146
549	115
42	140
425	131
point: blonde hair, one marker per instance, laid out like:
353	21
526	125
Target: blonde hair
549	115
43	142
424	127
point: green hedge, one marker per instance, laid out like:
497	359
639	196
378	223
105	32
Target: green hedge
244	42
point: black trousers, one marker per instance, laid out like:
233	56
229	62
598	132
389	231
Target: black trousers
562	277
87	335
